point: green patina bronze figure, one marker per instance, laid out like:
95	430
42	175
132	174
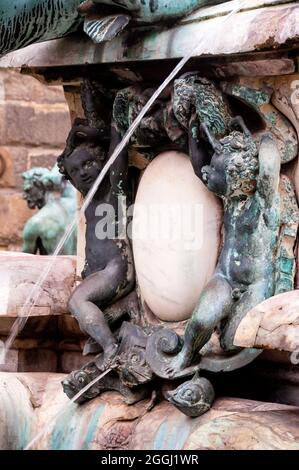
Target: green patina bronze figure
24	22
247	179
46	190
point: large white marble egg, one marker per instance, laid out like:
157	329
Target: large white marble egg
176	236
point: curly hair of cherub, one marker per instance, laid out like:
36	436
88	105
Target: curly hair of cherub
241	154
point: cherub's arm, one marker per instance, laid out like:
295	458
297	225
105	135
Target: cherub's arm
269	169
198	153
81	131
119	169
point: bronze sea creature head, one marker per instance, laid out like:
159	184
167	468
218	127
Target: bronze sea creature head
193	398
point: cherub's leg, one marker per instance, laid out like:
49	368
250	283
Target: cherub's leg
214	305
255	294
97	289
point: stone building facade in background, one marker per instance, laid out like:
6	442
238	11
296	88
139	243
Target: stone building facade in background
34	123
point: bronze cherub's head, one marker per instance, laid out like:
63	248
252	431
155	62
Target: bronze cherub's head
234	165
84	156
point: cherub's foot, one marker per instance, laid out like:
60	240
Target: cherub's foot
179	363
109	355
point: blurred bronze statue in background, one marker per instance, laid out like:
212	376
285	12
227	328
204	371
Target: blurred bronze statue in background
55	198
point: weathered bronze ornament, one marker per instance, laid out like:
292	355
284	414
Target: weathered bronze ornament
243	169
101	20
